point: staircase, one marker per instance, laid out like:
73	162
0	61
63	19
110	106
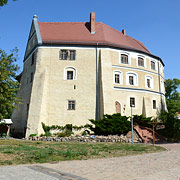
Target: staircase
146	134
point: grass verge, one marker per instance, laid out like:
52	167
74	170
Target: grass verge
27	152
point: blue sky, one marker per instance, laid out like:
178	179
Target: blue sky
156	23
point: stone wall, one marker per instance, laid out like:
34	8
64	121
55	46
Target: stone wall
110	138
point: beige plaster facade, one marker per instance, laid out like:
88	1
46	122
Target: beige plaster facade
45	89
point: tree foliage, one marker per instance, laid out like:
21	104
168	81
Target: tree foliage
4	2
8	84
111	125
172	95
172	125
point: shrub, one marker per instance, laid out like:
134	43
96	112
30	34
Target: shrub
111	125
32	135
142	121
46	128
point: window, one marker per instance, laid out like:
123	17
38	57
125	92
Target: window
154	104
131	79
27	109
72	54
63	54
71	105
153	67
140	61
148	81
67	54
117	77
124	58
32	60
31	77
70	75
132	102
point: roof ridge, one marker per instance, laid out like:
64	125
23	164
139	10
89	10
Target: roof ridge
60	22
67	22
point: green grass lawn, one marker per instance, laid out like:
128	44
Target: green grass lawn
27	152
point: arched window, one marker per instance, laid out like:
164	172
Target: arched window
117	77
124	58
131	79
70	73
141	61
153	65
118	107
149	81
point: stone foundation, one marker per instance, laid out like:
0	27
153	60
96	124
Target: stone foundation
93	138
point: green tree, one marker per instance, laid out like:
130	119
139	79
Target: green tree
172	95
4	2
8	84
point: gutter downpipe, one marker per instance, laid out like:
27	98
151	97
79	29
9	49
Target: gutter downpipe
97	84
160	85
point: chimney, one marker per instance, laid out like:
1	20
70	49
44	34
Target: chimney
124	31
92	23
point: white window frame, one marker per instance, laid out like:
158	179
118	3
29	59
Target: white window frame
135	78
151	81
161	68
70	69
143	57
120	79
126	53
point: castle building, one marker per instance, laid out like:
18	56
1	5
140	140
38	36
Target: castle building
75	71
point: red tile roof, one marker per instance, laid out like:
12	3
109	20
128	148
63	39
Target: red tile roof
79	33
